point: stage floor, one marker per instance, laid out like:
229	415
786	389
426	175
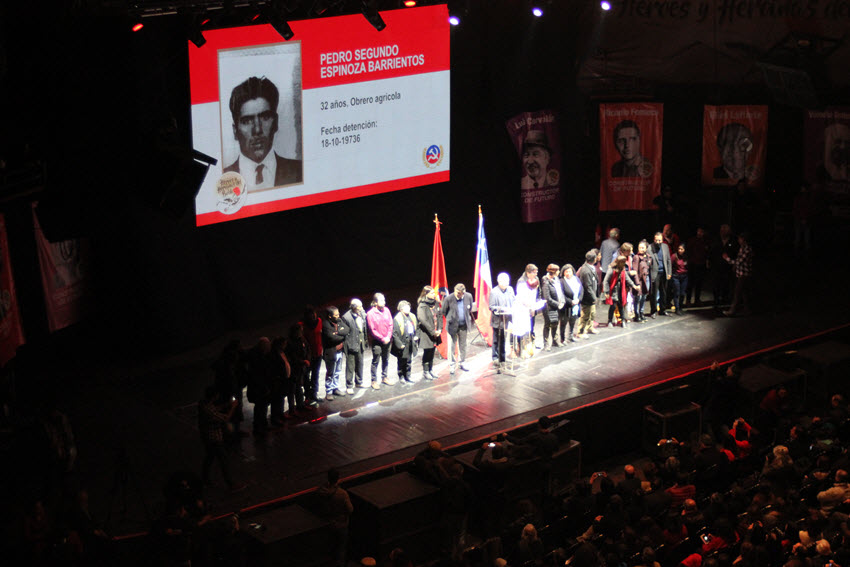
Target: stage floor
150	411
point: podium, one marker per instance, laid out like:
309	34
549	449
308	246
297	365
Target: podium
286	536
827	364
396	511
757	380
668	422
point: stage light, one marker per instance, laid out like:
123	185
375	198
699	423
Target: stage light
195	34
275	13
454	20
410	3
136	27
537	11
370	12
281	26
205	21
605	5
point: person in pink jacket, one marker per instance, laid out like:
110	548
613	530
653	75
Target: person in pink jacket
379	321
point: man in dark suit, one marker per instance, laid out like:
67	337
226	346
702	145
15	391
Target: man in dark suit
660	272
457	309
253	105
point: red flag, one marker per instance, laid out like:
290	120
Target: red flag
483	283
11	331
63	277
439	281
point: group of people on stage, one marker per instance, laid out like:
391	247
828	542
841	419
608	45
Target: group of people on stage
666	271
288	368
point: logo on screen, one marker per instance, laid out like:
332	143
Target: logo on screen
432	156
230	192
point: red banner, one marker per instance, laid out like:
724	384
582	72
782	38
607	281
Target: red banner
63	277
826	163
734	145
535	135
630	155
11	332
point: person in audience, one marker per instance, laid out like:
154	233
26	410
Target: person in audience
681	490
542	443
647	558
776	407
432	463
337	509
529	549
630	485
740	434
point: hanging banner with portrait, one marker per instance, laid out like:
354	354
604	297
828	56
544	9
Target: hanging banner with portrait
734	145
535	136
630	155
63	277
826	162
11	330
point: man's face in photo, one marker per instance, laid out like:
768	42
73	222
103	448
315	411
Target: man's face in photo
536	161
735	153
838	144
255	128
628	144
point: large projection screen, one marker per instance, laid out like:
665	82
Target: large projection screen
339	111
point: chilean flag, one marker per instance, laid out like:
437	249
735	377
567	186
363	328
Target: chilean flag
483	283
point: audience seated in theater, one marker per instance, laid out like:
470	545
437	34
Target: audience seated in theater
630	485
681	490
